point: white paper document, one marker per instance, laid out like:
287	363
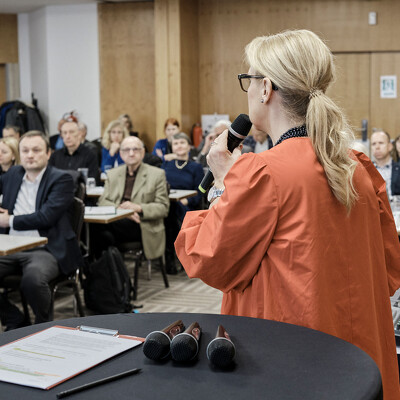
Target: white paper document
56	354
101	210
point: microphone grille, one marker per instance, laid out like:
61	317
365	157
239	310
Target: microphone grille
242	124
156	346
184	347
221	352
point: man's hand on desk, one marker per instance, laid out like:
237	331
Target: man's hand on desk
128	205
4	218
135	217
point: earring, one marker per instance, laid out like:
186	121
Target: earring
262	100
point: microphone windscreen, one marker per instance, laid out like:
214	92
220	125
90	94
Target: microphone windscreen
184	347
157	345
221	352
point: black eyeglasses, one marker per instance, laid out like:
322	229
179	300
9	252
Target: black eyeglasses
244	80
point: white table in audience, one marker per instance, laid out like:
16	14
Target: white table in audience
179	194
10	244
103	219
107	218
94	191
174	194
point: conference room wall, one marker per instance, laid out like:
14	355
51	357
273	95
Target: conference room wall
8	48
127	65
226	26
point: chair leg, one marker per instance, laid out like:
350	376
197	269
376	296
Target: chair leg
136	277
149	270
164	272
78	299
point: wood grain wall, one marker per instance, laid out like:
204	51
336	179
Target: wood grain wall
127	65
194	50
8	48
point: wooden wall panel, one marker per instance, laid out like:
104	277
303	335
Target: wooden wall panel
126	47
3	87
189	64
8	38
385	112
226	26
351	90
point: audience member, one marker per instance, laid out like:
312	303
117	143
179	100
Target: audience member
111	141
75	155
381	147
263	141
396	149
163	148
9	154
141	188
12	131
181	173
205	145
36	200
127	122
56	141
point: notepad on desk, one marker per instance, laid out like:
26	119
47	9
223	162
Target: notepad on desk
49	357
101	210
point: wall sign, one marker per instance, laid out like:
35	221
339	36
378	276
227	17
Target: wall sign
389	87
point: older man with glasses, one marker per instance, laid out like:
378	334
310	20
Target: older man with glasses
139	187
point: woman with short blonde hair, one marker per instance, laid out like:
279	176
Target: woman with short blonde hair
307	224
9	154
113	136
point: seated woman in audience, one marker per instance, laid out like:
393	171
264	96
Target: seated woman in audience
111	141
9	154
163	148
181	173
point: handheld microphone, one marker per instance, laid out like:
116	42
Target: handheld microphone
185	346
237	132
157	343
221	351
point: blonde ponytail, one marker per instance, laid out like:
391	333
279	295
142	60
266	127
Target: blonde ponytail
301	65
332	147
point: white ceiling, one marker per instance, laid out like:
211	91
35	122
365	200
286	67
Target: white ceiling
25	6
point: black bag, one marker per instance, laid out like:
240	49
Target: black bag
107	286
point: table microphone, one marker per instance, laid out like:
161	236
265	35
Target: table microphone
237	132
221	351
157	343
185	346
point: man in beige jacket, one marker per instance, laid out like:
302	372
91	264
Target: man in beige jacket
139	187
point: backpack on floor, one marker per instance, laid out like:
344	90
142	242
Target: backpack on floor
107	285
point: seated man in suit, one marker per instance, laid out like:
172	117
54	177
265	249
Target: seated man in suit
139	187
74	154
36	201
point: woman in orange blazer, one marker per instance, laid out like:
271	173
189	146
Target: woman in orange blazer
301	233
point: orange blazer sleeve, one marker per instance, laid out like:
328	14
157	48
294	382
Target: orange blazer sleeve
388	227
224	246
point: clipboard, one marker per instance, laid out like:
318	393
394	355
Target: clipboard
49	357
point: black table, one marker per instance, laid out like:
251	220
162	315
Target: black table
273	361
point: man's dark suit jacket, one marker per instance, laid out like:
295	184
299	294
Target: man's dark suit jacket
395	178
51	219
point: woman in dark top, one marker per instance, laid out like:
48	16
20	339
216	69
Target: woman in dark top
181	173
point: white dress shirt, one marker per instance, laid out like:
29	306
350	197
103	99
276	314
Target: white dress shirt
26	203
